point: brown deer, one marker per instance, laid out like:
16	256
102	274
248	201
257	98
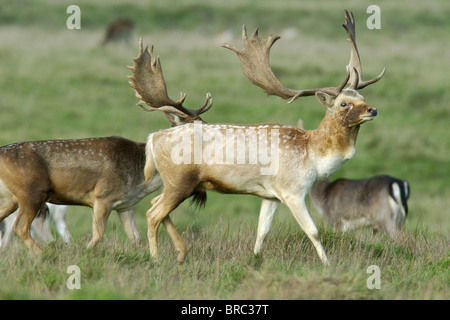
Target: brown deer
117	30
275	162
91	172
103	173
379	202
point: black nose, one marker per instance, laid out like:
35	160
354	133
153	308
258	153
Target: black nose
373	111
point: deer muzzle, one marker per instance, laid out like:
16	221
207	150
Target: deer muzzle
371	113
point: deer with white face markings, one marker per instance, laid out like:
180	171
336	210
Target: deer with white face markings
379	202
275	162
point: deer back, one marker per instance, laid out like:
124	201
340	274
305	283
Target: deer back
256	159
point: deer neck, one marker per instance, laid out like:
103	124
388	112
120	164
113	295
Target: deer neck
332	144
334	137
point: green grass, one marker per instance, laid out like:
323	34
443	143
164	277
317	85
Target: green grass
57	83
221	266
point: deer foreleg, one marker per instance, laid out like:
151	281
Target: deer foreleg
298	208
101	214
129	224
266	213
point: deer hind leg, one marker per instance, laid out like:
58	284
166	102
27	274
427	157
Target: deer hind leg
158	213
298	208
7	217
393	230
25	215
129	224
8	233
180	246
41	225
58	215
178	242
7	206
101	214
268	208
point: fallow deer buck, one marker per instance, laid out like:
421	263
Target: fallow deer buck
194	158
379	202
103	173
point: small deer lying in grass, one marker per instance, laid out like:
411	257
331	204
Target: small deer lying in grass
301	156
41	225
379	202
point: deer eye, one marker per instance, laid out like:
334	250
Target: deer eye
343	104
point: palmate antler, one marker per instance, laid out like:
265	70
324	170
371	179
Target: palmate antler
256	65
150	87
255	61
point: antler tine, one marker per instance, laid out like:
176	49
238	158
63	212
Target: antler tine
330	90
256	65
168	109
150	87
355	61
346	80
206	106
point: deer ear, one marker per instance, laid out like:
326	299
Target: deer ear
325	99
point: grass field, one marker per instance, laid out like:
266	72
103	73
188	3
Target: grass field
57	83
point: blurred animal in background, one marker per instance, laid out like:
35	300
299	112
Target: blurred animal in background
40	228
118	30
224	36
379	202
